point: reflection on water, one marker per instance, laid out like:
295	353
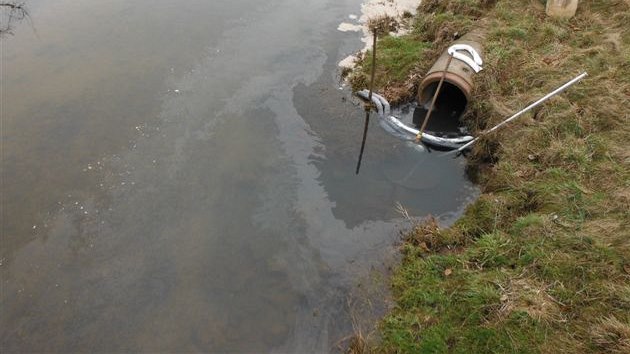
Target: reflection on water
180	177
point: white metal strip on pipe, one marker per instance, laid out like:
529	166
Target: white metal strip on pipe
475	62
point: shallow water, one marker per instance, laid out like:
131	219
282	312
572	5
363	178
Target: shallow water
180	177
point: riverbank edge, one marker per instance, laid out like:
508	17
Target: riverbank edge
541	261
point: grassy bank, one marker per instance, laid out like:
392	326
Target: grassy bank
541	262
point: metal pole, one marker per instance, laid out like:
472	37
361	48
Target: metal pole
435	96
373	65
528	108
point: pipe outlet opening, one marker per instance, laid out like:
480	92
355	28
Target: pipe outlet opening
449	106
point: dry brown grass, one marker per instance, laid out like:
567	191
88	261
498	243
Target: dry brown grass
532	297
611	335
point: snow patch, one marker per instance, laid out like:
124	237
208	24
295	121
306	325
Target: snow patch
396	9
349	27
349	62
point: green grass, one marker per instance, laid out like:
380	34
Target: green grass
396	58
541	261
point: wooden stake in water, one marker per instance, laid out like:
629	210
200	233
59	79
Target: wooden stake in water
367	109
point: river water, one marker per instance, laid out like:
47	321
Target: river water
179	177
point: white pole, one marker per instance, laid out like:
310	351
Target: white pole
548	96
